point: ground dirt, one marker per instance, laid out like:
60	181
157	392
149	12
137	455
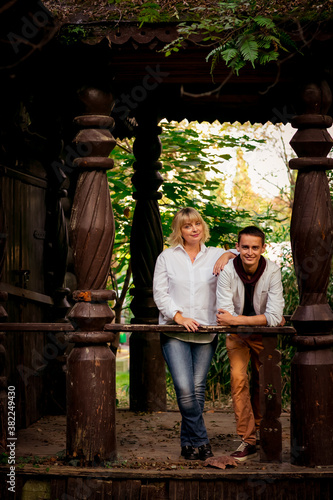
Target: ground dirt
144	440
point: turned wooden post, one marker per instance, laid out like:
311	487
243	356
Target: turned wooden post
147	367
270	400
3	317
91	432
311	240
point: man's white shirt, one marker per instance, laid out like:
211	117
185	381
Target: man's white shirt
267	298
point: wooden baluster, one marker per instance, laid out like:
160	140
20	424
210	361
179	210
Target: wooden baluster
3	317
270	401
147	368
91	433
311	240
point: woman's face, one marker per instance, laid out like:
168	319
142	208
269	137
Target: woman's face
192	232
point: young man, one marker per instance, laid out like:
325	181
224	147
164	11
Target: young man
249	292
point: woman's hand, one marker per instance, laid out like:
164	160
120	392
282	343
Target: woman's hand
283	321
222	261
190	324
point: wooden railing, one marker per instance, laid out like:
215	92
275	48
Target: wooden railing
269	376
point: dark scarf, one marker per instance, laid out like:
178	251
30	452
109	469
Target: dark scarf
242	274
249	284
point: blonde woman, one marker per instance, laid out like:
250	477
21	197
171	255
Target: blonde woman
184	288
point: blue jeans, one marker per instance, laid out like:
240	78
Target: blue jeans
189	363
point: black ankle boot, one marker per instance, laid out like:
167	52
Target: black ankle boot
205	451
188	452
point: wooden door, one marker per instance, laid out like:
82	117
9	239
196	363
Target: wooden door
24	194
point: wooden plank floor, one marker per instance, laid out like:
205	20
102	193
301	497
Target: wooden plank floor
149	467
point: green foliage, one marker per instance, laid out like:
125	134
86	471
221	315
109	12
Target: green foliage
123	208
218	378
240	34
170	388
72	34
122	389
150	12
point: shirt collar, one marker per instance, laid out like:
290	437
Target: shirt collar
203	247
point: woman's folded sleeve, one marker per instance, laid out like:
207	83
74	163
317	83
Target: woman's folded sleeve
162	298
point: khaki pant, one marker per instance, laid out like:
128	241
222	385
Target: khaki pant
242	348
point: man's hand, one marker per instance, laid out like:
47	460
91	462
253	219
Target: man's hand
224	318
190	324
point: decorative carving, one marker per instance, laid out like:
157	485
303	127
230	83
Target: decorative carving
147	373
91	433
311	241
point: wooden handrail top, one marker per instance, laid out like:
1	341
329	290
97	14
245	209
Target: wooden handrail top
265	330
36	327
132	328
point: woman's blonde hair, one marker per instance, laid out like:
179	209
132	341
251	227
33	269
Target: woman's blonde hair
183	217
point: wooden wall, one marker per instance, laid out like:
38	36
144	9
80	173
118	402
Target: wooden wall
24	193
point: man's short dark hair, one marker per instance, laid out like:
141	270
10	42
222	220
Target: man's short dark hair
252	231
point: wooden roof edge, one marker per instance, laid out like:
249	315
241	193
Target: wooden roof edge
121	32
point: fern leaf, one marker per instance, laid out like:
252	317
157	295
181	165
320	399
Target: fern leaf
262	44
249	48
265	22
236	64
215	52
267	57
286	41
229	54
265	42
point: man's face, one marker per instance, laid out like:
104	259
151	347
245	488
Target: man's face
250	249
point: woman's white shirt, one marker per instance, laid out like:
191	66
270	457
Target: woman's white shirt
190	288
